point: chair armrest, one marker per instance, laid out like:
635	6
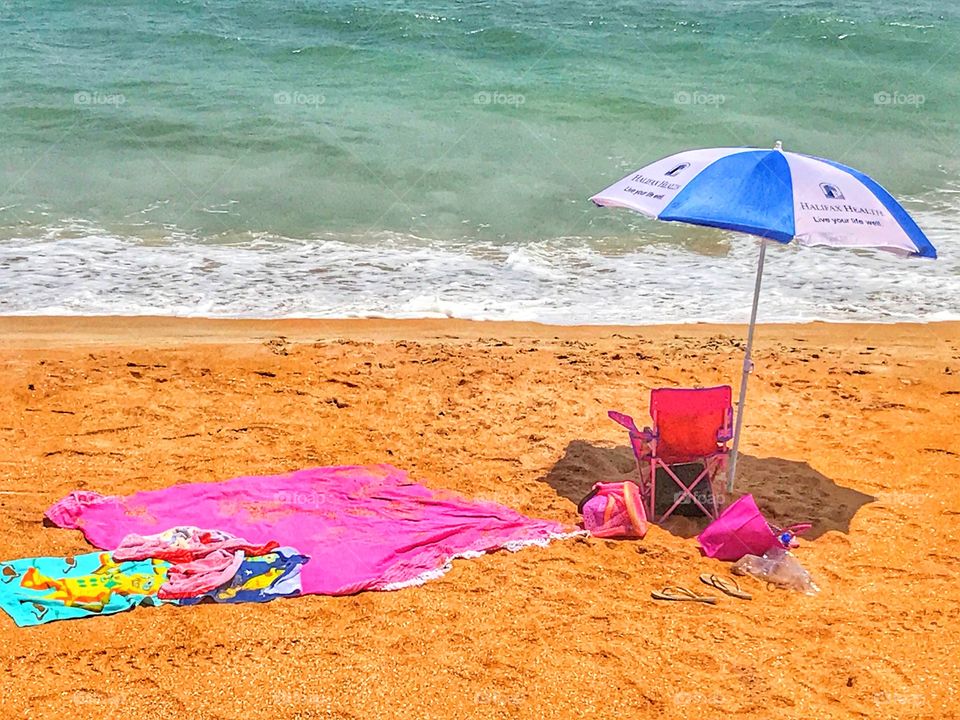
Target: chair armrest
647	435
624	420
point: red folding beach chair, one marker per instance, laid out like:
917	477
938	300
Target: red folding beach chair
686	449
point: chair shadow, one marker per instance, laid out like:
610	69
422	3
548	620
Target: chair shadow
786	491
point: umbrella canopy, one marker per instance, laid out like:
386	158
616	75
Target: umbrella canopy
777	195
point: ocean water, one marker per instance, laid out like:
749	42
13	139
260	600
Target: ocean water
379	158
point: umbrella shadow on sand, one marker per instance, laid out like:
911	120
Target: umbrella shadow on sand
786	491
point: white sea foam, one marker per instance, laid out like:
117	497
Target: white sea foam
78	270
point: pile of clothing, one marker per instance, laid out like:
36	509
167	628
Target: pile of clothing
182	566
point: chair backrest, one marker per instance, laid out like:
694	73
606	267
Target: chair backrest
688	421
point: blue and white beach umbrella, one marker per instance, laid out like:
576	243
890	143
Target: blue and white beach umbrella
777	195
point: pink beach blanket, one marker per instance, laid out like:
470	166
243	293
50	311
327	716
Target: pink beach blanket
364	527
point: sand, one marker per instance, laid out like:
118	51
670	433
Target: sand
853	427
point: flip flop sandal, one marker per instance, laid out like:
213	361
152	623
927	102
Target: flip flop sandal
728	586
682	594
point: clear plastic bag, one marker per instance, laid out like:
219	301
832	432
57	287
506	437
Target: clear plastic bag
777	566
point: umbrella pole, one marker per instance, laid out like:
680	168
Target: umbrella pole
747	368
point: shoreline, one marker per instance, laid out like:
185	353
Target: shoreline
53	330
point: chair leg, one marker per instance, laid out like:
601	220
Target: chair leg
717	465
652	494
719	470
705	475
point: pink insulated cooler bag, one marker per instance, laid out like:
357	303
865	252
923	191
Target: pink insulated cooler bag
614	510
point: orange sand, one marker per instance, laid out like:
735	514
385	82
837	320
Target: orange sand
853	427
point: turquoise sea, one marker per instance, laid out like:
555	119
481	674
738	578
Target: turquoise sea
339	159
